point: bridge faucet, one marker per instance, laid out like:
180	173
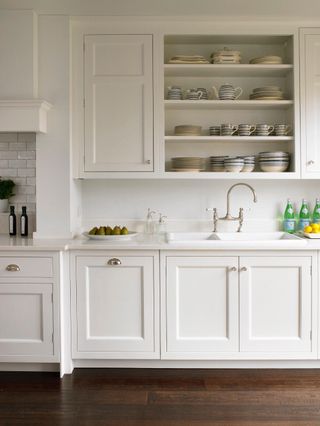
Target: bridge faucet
228	215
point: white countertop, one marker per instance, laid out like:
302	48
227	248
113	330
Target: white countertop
28	244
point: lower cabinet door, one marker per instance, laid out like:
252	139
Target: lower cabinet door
26	319
275	304
201	307
115	312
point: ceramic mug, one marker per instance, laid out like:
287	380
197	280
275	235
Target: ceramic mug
282	129
194	94
228	129
246	129
227	92
264	129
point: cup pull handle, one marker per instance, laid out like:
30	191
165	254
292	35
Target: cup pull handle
114	261
243	269
233	269
12	268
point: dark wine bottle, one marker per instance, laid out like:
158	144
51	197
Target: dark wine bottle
12	222
24	222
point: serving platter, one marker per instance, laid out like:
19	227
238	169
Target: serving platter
312	235
126	237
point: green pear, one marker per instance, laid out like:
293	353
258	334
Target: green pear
101	231
108	230
116	230
93	231
124	231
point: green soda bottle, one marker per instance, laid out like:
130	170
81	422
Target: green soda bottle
304	216
316	212
289	222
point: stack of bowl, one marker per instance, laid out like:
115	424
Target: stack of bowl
217	163
188	164
249	163
233	164
276	161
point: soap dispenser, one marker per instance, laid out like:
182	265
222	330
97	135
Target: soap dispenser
161	225
149	226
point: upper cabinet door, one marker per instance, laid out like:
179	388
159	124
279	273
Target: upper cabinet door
118	103
310	102
275	304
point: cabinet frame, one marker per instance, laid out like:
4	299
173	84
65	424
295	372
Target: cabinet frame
54	281
76	353
280	355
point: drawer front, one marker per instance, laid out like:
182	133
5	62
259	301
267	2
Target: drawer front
26	267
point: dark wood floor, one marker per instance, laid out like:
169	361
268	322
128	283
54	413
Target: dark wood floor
122	397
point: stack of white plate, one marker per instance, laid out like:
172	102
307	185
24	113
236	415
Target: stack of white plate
187	130
226	56
269	59
276	161
216	163
175	93
233	164
273	93
214	130
188	59
187	164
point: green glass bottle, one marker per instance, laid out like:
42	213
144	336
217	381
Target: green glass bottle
289	222
304	216
316	212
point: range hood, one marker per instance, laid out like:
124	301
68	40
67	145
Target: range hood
24	115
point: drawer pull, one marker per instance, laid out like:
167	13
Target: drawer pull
114	261
243	269
12	268
233	269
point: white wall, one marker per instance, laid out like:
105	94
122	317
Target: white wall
121	201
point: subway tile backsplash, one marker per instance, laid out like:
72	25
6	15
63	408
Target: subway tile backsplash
18	162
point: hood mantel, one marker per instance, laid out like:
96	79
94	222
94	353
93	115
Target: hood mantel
28	115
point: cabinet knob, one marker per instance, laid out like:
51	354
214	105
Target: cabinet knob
243	269
148	161
233	269
310	162
12	268
114	261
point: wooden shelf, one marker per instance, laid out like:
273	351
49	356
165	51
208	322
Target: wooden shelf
217	104
228	175
237	139
229	70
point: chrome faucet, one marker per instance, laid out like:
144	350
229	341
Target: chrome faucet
228	215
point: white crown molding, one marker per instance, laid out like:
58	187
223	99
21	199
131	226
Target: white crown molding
29	115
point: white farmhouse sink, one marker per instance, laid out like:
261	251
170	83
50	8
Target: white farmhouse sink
236	239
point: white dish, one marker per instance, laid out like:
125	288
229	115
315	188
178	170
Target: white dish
273	169
312	235
127	237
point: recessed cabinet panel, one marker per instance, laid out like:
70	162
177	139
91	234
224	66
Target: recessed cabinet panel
26	319
118	103
202	310
275	304
115	305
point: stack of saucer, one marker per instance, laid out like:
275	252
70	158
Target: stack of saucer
188	59
216	163
276	161
214	131
225	56
187	130
187	164
233	164
267	60
174	93
273	93
249	163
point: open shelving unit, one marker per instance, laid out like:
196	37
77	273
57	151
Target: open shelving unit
206	113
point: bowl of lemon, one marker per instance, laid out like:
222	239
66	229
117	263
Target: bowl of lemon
312	230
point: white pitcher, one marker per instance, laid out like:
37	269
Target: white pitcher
227	92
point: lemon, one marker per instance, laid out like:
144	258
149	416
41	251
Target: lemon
308	229
315	227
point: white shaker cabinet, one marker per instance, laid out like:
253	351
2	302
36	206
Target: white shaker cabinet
275	304
239	307
201	316
310	101
118	103
29	308
115	313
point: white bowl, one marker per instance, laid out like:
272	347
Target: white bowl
273	168
248	168
233	168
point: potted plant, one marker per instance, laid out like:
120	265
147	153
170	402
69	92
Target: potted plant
6	188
